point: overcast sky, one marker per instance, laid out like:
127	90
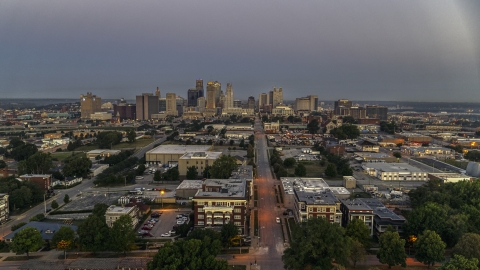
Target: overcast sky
359	50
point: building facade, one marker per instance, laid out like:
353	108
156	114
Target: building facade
200	160
4	210
115	212
171	102
211	95
147	104
308	104
311	204
379	112
228	103
89	104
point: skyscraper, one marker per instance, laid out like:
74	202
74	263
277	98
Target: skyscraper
171	104
90	104
192	97
147	104
218	91
340	105
157	93
199	87
275	97
380	112
309	103
251	103
211	95
228	97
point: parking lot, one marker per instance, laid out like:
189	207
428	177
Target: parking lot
297	154
87	201
166	221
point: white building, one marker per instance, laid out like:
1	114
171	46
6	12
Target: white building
395	171
115	212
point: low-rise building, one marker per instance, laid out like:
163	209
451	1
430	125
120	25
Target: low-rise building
374	157
310	204
187	189
221	201
68	181
395	171
384	217
368	146
96	169
200	160
272	127
449	177
4	208
102	153
428	151
357	209
44	181
46	229
164	154
115	212
349	182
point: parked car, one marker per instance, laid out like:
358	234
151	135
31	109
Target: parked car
166	234
277	220
147	234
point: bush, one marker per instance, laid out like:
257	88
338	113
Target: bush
16	226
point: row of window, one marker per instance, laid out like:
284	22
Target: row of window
235	210
320	209
234	217
322	216
223	203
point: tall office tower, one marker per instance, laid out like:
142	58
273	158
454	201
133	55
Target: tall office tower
157	93
358	112
228	97
211	95
221	101
171	104
199	87
251	103
162	105
237	103
262	100
90	104
218	91
275	97
193	95
201	104
309	103
380	112
147	104
341	105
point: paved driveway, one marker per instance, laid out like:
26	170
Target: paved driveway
167	221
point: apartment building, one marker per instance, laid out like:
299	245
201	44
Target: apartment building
357	209
4	211
313	204
200	160
221	201
44	181
115	212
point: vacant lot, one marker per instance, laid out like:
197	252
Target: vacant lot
64	155
313	168
137	144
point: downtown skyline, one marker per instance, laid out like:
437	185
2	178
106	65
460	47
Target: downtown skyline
373	50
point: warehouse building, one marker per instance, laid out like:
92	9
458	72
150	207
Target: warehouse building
165	154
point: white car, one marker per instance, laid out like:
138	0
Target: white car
166	234
180	222
277	220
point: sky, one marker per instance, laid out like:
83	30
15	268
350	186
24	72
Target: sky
405	50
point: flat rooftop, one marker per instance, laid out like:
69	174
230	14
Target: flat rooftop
320	198
178	149
243	172
190	184
450	175
118	210
201	155
356	204
393	167
291	184
380	210
230	188
372	155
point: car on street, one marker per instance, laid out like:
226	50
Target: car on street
166	234
277	220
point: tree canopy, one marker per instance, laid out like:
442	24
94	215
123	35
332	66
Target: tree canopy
458	262
26	240
78	166
63	239
392	249
357	230
107	139
313	126
315	244
222	167
468	246
429	248
122	235
192	173
346	131
93	234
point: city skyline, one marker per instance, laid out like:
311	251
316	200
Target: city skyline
373	50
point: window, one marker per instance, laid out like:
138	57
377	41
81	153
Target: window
310	209
237	223
331	217
238	203
237	217
237	210
200	222
201	216
323	209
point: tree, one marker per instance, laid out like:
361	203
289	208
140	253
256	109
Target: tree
313	126
357	253
78	166
54	204
140	170
473	156
458	262
66	198
206	172
331	170
172	174
23	152
93	233
392	251
99	210
228	232
468	246
26	240
289	162
429	248
131	136
398	155
2	164
38	163
63	239
250	152
192	173
315	244
300	170
242	143
107	139
430	216
222	167
122	235
190	254
357	230
231	142
157	176
346	132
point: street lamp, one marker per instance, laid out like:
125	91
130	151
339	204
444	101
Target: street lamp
161	197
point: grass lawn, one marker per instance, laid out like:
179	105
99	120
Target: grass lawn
459	164
313	168
61	156
137	144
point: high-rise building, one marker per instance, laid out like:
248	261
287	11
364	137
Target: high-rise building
201	104
380	112
147	104
251	103
275	97
211	95
157	93
90	104
171	100
358	112
309	103
123	110
218	91
237	103
162	105
339	104
199	86
262	100
228	97
192	97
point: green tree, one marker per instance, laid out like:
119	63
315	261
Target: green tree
315	244
107	139
192	173
78	166
357	253
222	167
331	170
300	170
131	136
228	232
430	216
458	262
357	230
391	250
54	204
2	164
140	170
66	198
206	172
313	126
26	240
346	132
172	174
99	210
473	155
231	142
63	239
38	163
250	152
242	143
190	254
468	246
398	155
122	235
429	248
23	152
289	162
157	176
17	226
93	234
